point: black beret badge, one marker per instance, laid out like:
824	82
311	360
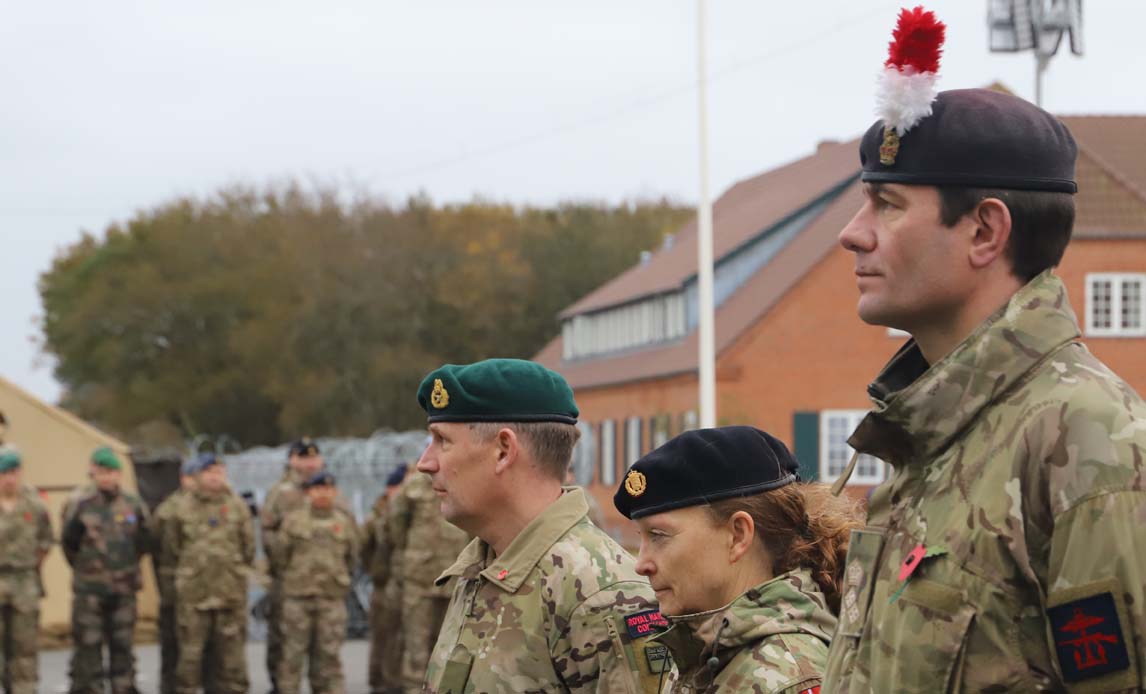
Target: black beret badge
635	483
907	83
440	397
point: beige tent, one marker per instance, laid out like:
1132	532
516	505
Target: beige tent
56	447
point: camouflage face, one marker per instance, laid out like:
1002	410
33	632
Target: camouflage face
911	270
106	479
213	479
460	466
321	496
673	545
10	482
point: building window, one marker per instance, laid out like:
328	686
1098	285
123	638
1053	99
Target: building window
688	421
646	322
608	452
632	440
836	426
584	455
1116	304
659	430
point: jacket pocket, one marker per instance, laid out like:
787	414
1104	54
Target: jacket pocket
864	547
923	641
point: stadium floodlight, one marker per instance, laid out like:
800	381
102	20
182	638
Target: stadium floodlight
1038	25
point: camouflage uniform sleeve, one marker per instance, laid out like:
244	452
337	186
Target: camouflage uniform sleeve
269	523
352	545
1096	549
248	537
71	530
171	541
279	552
148	543
43	532
398	518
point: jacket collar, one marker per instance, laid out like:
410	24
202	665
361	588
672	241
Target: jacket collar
787	604
919	409
509	570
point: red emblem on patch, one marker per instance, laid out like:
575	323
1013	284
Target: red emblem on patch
28	517
1088	637
1088	649
223	510
337	528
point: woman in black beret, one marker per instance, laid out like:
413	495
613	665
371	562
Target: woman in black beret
746	560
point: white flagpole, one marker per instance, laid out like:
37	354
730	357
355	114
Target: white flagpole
705	309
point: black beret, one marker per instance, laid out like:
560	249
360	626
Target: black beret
497	390
705	465
304	447
319	479
397	476
977	138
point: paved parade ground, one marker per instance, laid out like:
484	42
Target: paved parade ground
54	669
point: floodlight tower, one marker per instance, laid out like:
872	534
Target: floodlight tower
1021	25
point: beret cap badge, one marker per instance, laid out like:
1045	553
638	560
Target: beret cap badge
440	397
635	483
889	148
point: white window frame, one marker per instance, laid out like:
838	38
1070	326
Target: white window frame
632	440
690	421
608	452
584	455
1118	282
869	470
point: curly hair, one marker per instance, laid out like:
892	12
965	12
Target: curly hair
801	525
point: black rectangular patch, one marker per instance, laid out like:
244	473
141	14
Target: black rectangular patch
1088	637
645	623
658	657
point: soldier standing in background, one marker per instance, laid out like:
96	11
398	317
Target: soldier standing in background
379	559
211	540
104	536
304	461
26	537
317	550
430	544
164	566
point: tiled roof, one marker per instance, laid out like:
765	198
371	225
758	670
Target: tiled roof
1111	202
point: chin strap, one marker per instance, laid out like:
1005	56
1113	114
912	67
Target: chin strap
838	485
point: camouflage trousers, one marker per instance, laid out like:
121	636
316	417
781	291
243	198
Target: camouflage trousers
274	641
313	632
385	639
98	620
224	633
19	632
422	617
169	654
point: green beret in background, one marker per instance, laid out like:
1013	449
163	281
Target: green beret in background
9	459
105	458
497	390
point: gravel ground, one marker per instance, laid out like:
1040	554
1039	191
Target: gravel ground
54	669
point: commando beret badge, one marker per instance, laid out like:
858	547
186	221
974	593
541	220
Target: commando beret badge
964	137
705	465
304	447
319	479
497	390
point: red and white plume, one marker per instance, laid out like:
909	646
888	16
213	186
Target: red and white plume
907	83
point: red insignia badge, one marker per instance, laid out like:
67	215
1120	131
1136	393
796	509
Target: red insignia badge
28	517
911	562
1088	637
502	574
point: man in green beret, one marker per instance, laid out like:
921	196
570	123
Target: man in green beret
545	600
105	533
27	533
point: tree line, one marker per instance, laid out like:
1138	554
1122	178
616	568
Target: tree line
268	313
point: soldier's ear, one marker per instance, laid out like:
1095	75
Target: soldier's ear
508	449
742	533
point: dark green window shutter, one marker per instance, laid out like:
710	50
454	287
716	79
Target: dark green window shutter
806	435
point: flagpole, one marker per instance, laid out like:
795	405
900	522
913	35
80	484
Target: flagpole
705	309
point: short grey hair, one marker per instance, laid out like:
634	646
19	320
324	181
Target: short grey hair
550	443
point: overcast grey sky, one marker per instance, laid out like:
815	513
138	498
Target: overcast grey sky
114	106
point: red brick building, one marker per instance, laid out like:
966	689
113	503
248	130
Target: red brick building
792	356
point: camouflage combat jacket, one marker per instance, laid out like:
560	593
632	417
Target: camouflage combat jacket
162	560
25	536
376	551
773	639
317	553
103	537
1006	551
210	539
284	497
428	542
561	610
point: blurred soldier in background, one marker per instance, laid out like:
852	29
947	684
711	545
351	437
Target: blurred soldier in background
211	541
164	566
316	552
429	546
383	564
27	536
304	461
104	536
